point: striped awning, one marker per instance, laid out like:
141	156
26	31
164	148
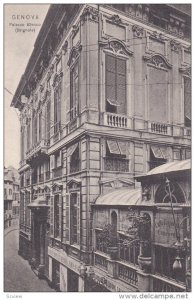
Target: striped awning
125	197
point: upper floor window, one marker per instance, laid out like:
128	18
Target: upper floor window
74	91
10	192
187	101
57	107
57	212
35	139
116	156
158	156
115	84
48	120
40	125
75	159
28	135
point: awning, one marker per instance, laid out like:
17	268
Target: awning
175	166
157	152
125	197
71	149
113	147
40	202
113	102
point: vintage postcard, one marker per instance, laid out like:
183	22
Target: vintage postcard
97	166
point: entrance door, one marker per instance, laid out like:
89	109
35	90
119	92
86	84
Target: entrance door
73	281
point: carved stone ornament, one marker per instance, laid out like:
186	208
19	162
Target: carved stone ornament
175	46
158	61
75	28
116	46
137	31
90	13
116	19
157	36
57	78
74	54
65	47
186	70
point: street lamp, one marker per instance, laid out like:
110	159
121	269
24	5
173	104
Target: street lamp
177	265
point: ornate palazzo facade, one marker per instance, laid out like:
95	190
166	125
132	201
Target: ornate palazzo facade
106	96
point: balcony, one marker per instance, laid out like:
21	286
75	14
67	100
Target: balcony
57	172
160	128
115	120
39	148
127	274
166	285
101	261
116	164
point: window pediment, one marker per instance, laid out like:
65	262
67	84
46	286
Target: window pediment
186	70
116	47
157	61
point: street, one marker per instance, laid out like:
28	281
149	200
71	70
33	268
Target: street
18	276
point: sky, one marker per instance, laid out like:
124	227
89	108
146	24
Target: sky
18	47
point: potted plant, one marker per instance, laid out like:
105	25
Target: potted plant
108	239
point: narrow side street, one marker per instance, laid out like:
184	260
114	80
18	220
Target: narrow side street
18	276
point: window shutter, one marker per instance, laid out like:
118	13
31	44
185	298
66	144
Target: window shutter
51	162
113	147
123	148
52	216
60	217
110	78
63	219
121	85
67	218
187	97
78	217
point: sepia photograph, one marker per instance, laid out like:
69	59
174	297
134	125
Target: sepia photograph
97	148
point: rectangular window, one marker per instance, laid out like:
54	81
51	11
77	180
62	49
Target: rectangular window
40	126
57	107
75	160
158	95
187	101
158	156
35	130
48	120
75	218
28	135
115	85
116	156
74	92
56	217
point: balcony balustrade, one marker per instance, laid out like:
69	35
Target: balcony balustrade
41	147
160	128
127	274
115	120
165	285
101	261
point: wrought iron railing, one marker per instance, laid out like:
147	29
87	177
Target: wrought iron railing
166	285
101	261
127	274
116	164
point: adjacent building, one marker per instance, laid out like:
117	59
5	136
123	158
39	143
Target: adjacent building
11	194
105	97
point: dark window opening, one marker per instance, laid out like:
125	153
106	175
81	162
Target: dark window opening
56	217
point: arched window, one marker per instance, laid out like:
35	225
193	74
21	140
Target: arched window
114	221
163	195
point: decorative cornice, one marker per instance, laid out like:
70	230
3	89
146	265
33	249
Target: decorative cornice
74	54
158	61
157	36
116	46
90	13
137	31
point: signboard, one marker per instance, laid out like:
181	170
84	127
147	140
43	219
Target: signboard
165	233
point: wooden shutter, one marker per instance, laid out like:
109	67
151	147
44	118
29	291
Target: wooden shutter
52	165
187	97
78	217
113	147
52	216
110	77
121	85
123	148
63	219
60	217
67	218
